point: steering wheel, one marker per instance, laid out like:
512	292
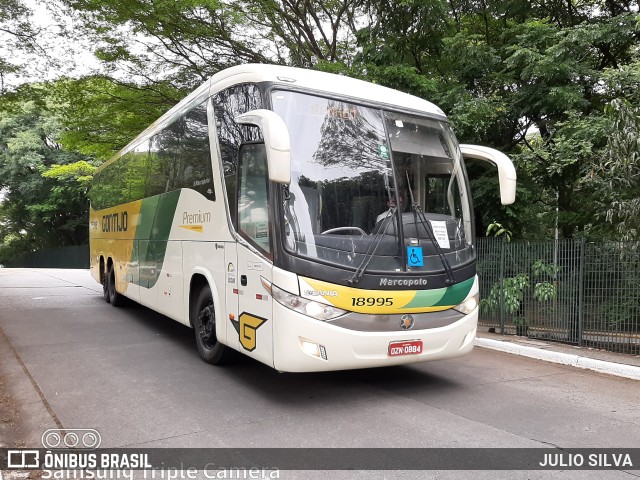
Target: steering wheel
345	229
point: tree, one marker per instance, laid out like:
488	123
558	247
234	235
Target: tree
100	115
16	33
620	170
44	186
187	41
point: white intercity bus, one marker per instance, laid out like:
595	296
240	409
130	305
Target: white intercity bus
308	220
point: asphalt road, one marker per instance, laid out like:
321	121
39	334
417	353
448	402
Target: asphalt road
70	359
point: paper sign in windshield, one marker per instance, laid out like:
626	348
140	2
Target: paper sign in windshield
440	232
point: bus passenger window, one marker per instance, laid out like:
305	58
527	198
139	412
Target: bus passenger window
107	189
161	154
253	206
133	171
194	157
179	156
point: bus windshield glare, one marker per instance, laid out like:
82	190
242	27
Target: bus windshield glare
374	187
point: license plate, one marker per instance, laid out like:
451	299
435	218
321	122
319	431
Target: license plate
410	347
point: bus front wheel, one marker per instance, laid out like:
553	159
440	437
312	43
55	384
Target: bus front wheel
204	324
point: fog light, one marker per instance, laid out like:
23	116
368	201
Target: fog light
313	349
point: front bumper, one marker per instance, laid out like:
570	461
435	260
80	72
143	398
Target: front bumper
349	349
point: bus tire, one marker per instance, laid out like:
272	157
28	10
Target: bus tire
116	299
204	325
105	287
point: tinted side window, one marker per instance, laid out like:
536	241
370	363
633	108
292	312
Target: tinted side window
162	156
194	159
227	105
97	191
133	168
177	157
180	156
106	190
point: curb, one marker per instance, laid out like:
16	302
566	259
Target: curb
612	368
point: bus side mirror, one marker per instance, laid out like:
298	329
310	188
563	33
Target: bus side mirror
276	141
506	170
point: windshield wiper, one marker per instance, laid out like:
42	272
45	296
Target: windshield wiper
418	213
373	246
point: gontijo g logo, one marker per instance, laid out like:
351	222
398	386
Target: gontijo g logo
246	327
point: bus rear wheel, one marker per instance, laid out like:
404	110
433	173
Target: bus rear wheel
105	286
116	299
204	324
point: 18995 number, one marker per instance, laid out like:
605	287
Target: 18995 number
371	302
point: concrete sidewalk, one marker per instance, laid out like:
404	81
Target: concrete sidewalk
619	364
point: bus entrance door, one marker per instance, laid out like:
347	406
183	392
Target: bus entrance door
253	323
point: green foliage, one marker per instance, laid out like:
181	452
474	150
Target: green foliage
496	229
408	32
16	34
100	115
544	291
43	185
540	268
186	41
81	171
620	169
403	78
510	292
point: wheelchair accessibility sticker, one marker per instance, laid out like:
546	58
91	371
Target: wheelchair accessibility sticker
414	257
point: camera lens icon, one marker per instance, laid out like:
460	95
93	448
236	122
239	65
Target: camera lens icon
71	440
91	439
80	438
52	439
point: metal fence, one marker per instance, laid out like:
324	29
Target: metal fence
76	256
572	291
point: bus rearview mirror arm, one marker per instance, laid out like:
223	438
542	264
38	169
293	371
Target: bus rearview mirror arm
506	170
276	142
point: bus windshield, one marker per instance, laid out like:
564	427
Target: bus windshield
375	186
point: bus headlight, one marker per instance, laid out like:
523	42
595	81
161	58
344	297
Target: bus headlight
317	310
469	305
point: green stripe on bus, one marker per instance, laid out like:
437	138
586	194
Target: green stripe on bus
152	234
426	298
441	297
456	294
140	244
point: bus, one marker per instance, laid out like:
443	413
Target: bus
311	221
